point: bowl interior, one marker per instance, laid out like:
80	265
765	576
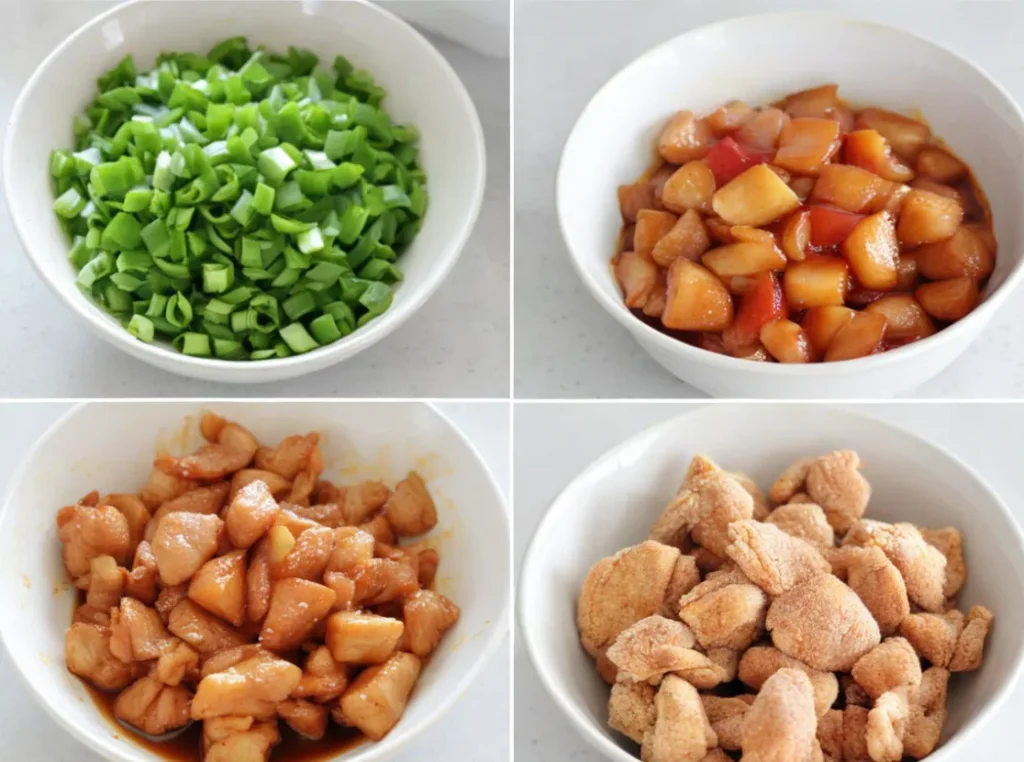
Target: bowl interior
109	447
618	497
422	89
744	58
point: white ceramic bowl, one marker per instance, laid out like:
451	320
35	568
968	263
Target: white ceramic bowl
612	504
422	89
759	59
109	447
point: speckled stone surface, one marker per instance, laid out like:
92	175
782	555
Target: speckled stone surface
455	346
566	345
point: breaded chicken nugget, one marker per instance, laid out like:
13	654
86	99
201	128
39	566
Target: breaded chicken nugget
927	714
887	721
806	521
891	665
651	647
772	559
781	723
970	646
726	610
631	709
950	543
681	731
934	636
877	581
761	662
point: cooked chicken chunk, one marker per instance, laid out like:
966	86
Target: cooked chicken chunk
427	616
344	590
153	707
297	606
381	530
250	745
855	725
950	543
140	628
250	515
329	514
361	501
761	662
685	576
278	486
781	723
790	482
168	598
141	582
252	687
219	587
727	716
87	654
88	532
886	725
773	560
805	521
323	678
927	714
257	582
353	549
631	709
106	582
923	566
162	486
234	450
289	457
135	512
358	638
308	557
204	632
873	577
681	731
971	644
651	647
725	611
934	636
307	719
177	663
888	666
761	507
834	482
830	735
183	542
410	510
376	699
383	580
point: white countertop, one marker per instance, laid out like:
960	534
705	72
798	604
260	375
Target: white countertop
476	729
555	442
567	346
456	346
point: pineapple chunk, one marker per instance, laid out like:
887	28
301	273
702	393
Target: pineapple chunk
296	607
637	275
939	165
817	282
806	145
280	542
927	217
744	259
786	341
696	299
948	299
872	252
860	337
869	150
821	324
905	318
357	638
796	235
853	189
633	198
375	700
756	197
690	187
688	238
927	184
651	227
684	138
219	587
760	134
965	255
906	136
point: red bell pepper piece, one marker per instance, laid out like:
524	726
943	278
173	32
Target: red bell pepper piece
727	159
762	303
830	225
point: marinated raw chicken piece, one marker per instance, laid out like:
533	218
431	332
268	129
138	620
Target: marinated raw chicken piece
162	486
927	714
823	624
761	507
725	611
726	716
650	648
199	500
289	457
353	549
250	515
830	734
234	450
427	616
308	558
358	638
153	707
834	482
631	709
204	632
228	744
805	521
253	687
323	678
278	486
344	590
709	500
88	532
950	543
383	580
934	636
923	567
772	559
855	725
685	577
183	542
888	666
781	723
761	662
379	527
177	663
623	589
971	644
294	523
305	718
141	581
139	627
297	606
410	510
376	699
361	501
87	654
681	730
790	482
219	587
887	722
330	514
135	512
106	582
305	482
873	577
257	582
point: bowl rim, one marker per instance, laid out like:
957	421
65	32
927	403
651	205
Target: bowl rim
162	355
366	752
972	323
524	608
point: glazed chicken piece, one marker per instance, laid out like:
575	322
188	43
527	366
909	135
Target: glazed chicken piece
927	714
353	549
361	501
88	532
257	581
177	663
623	589
923	566
305	481
106	583
297	606
879	584
238	739
631	709
650	648
250	515
253	687
219	587
141	582
168	599
427	616
323	678
727	716
761	662
950	543
773	560
725	611
410	510
135	512
891	665
87	654
971	644
376	699
290	456
383	580
153	707
204	632
305	718
219	661
137	632
359	638
308	557
709	500
823	624
781	723
344	590
234	450
805	521
681	731
162	486
183	542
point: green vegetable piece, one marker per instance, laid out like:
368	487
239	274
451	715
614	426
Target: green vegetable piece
141	327
69	204
298	339
123	232
194	344
263	199
324	330
275	164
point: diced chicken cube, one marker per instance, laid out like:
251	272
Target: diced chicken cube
144	629
251	513
363	500
906	136
358	638
688	238
204	632
307	558
183	542
806	145
853	189
927	217
162	486
691	187
634	197
651	226
353	549
87	654
219	587
696	299
200	500
134	511
410	510
964	255
817	282
323	678
939	165
177	663
297	606
786	342
905	318
153	707
728	118
760	133
746	258
229	744
169	598
88	532
869	150
252	687
141	582
375	700
278	486
307	719
872	251
329	514
427	616
290	456
383	580
344	590
948	299
106	582
860	337
379	527
234	450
